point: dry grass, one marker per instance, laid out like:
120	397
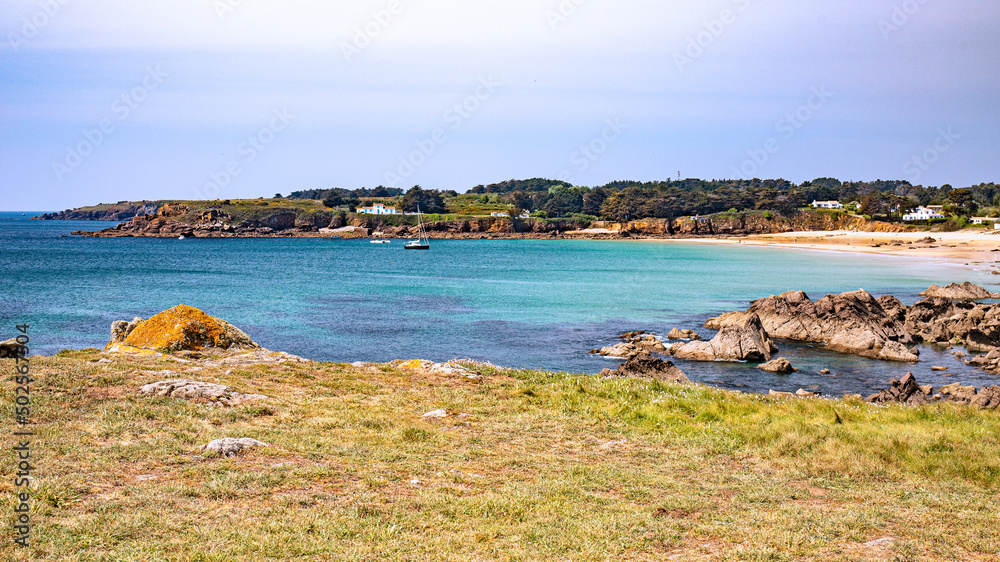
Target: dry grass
546	466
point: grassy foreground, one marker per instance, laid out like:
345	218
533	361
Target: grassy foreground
546	467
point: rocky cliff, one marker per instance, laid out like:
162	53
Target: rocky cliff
117	212
167	219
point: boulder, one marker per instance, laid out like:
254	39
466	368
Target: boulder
903	391
648	367
959	393
746	341
11	349
959	292
676	334
230	447
183	389
987	399
853	322
779	365
121	329
182	328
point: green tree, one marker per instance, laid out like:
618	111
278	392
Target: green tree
428	201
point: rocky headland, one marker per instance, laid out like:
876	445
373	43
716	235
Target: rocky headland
163	219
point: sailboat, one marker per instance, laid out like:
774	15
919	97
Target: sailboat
421	243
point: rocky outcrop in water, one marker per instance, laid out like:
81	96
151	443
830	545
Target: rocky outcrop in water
743	341
853	322
677	334
780	366
121	211
959	292
636	343
908	391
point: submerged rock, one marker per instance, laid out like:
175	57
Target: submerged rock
746	341
853	322
182	328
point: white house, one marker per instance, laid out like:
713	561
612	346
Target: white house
922	214
378	209
982	220
499	214
827	205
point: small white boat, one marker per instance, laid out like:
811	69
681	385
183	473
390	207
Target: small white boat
422	242
381	241
181	237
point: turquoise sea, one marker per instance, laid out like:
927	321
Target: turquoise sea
518	303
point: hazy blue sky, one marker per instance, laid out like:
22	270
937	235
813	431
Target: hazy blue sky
245	98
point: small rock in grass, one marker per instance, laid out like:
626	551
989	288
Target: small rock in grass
230	447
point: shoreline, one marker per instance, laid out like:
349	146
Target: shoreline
960	248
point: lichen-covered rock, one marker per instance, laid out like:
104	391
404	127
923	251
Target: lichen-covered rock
746	341
779	365
216	394
959	292
182	328
648	367
230	447
852	322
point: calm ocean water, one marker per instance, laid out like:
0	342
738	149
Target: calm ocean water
518	303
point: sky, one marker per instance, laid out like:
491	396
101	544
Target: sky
110	100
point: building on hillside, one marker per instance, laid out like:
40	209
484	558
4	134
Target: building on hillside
982	220
936	208
827	205
378	209
499	214
922	214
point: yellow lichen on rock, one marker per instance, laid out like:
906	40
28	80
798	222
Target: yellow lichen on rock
182	328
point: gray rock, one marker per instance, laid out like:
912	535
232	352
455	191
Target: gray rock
120	329
230	447
959	292
648	367
746	341
779	365
676	334
216	394
853	322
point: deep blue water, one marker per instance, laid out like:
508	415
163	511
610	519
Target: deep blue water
518	303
